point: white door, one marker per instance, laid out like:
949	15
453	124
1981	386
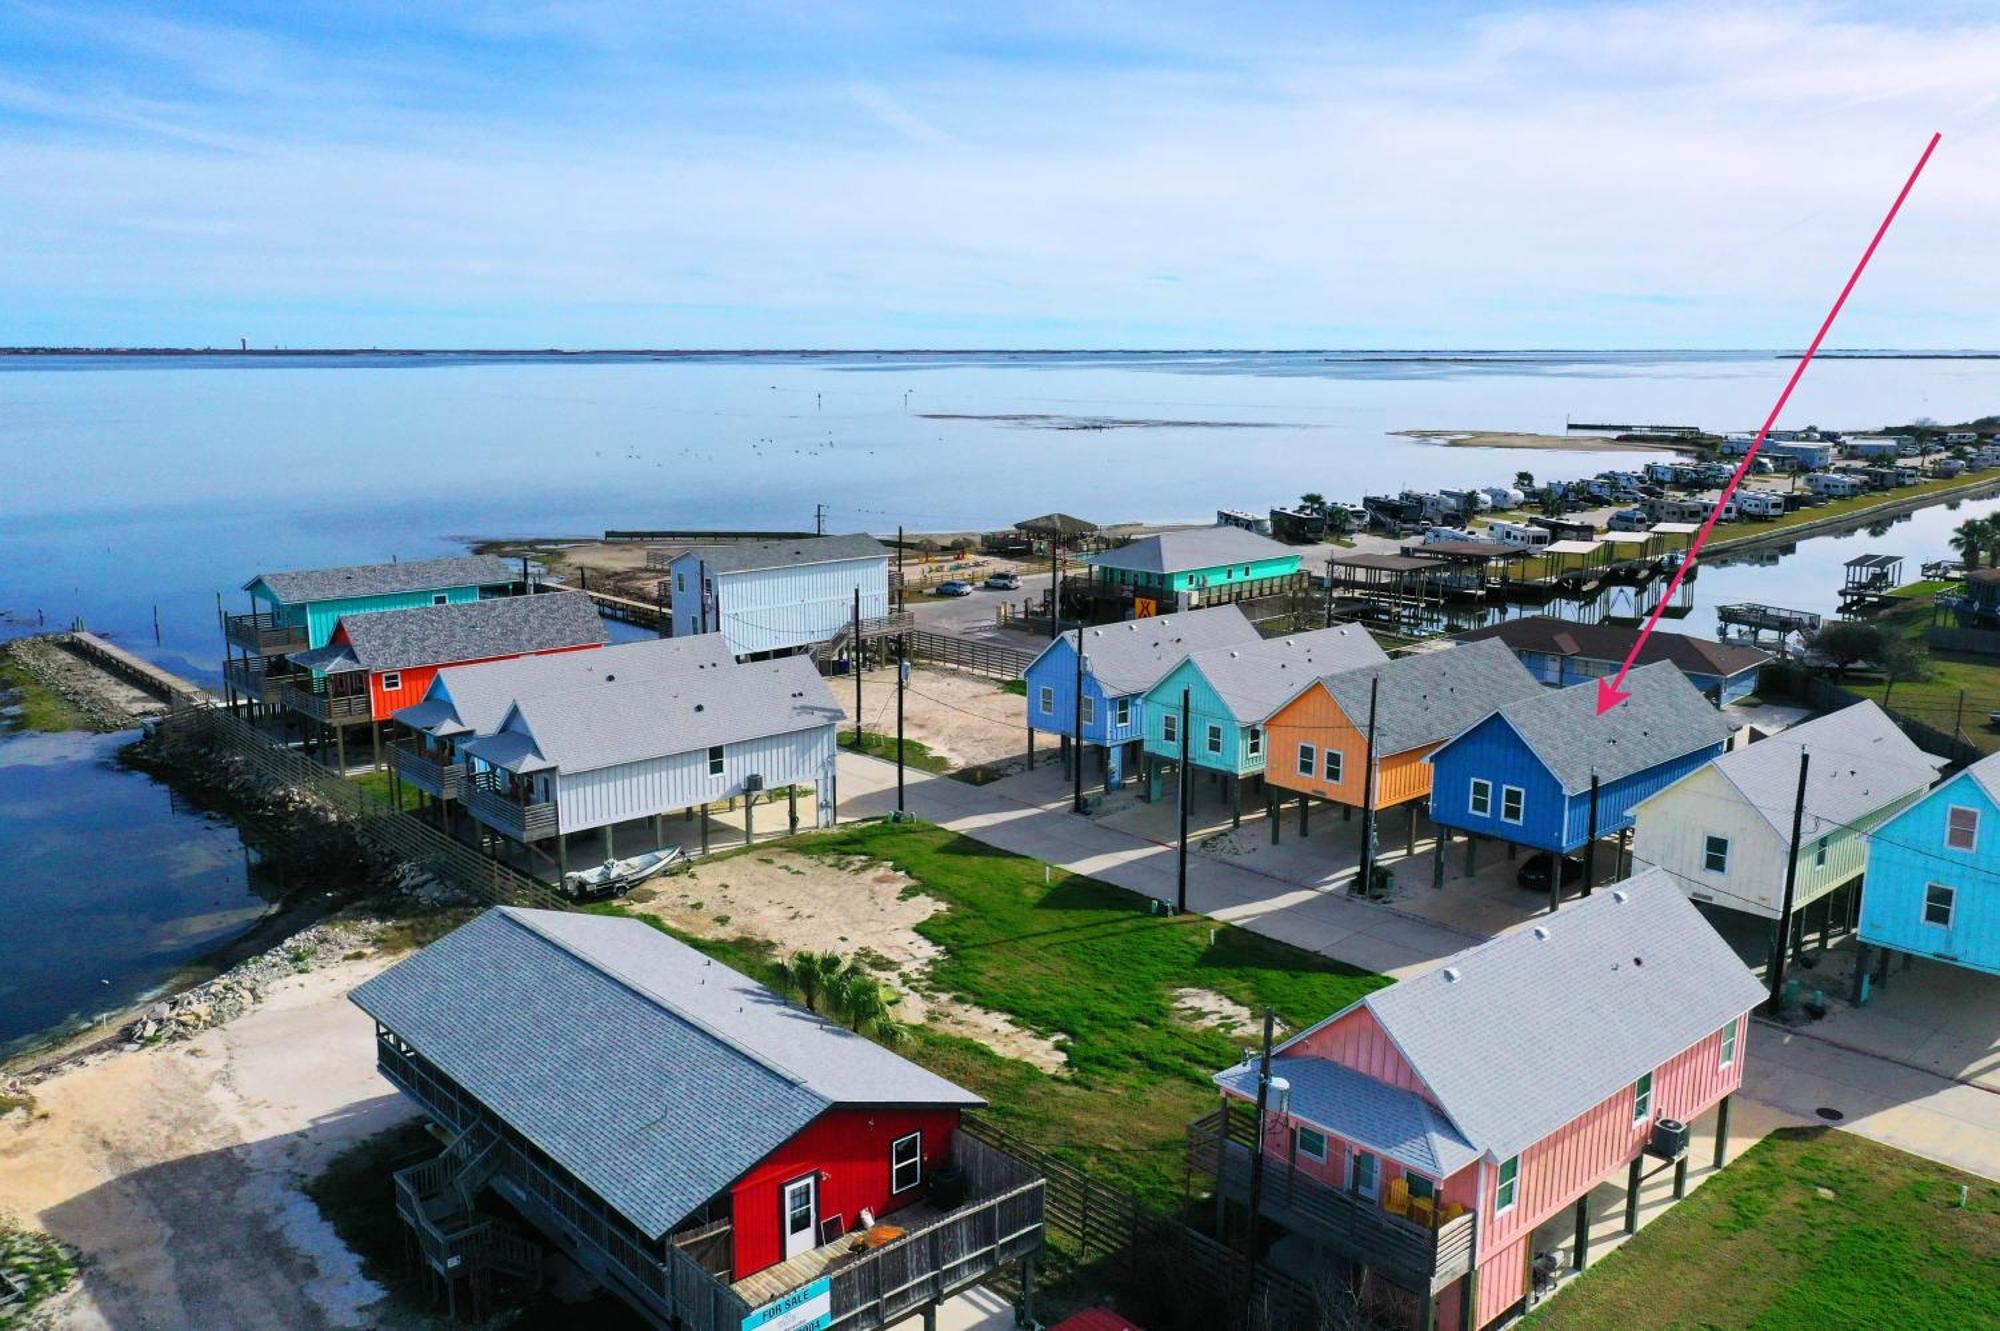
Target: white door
801	1216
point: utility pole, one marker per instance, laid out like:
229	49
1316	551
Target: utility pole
1589	851
902	596
1076	743
819	519
1368	797
902	681
1055	585
1777	1003
1257	1157
1180	889
854	663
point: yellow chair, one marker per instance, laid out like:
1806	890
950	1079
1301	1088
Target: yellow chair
1396	1197
1423	1211
1452	1211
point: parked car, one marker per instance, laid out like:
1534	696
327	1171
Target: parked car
954	588
1534	874
1004	582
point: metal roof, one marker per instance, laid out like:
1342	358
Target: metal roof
747	556
1391	563
1516	1037
1873	561
1465	550
1132	656
1571	547
304	586
1676	528
1190	549
1253	679
631	721
1860	763
1432	696
653	1075
473	699
1664	719
1608	642
469	631
1357	1108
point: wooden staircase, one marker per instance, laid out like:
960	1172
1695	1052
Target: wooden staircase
448	1233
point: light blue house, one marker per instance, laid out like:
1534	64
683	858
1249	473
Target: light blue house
1523	775
1121	661
768	598
297	611
1228	692
1933	882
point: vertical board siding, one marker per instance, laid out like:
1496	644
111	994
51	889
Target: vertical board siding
779	609
1503	1279
1222	575
1909	853
1494	751
849	1148
681	781
1357	1041
1615	799
1164	698
1055	669
1315	718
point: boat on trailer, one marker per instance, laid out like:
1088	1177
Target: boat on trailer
617	876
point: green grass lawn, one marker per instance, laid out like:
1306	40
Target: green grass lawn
916	753
1960	692
1725	532
39	706
1087	964
376	784
1812	1228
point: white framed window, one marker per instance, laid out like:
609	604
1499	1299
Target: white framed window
1124	711
1047	698
1480	802
1961	828
1089	706
1513	804
906	1162
1715	854
1939	903
440	598
1819	853
715	761
1312	1143
1728	1054
392	680
1642	1098
1256	741
1308	760
680	582
1365	1175
1214	738
1506	1193
1336	763
1170	728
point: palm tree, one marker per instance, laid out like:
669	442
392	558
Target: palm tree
864	1001
816	974
1974	537
1313	502
1524	480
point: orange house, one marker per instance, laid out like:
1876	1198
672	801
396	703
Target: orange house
1317	741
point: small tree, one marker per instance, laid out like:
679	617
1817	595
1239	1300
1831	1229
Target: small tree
1314	503
1973	538
815	975
864	1002
1524	480
1845	644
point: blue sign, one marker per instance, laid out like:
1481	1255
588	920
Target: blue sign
807	1308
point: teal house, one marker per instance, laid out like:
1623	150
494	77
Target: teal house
1182	570
1227	692
1933	883
297	611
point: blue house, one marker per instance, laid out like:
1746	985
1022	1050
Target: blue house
1933	882
1561	653
1120	662
1523	774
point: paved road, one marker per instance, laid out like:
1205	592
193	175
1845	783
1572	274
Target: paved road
1794	1073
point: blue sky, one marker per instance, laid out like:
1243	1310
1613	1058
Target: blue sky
604	174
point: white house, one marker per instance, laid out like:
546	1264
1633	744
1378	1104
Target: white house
559	764
1724	831
770	597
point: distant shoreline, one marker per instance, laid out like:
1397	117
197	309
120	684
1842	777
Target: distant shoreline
1546	443
1355	354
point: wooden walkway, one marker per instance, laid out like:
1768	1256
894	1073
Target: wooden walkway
142	674
775	1282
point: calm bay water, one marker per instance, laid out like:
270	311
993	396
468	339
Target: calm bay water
132	483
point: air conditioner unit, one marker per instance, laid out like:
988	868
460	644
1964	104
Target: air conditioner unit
753	783
1670	1139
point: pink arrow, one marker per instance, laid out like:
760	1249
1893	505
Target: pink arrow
1609	695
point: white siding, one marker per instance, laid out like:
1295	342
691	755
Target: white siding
1672	830
661	785
781	609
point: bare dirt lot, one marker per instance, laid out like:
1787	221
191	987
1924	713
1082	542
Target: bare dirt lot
968	720
858	908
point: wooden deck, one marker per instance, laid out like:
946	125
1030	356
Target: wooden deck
775	1282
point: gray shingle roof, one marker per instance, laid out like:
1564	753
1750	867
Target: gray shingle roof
1132	656
653	1075
1357	1108
1253	679
304	586
748	555
1860	763
1518	1036
471	631
1665	718
1194	548
1987	773
473	699
1433	696
631	721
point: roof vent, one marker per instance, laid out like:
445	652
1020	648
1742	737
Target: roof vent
610	678
1451	975
1541	931
697	707
1620	895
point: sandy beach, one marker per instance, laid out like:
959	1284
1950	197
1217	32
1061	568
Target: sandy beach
1547	443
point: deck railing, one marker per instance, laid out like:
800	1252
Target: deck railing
1000	1222
263	633
1413	1255
488	799
249	678
411	764
312	698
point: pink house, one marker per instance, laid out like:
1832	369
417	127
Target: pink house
1416	1140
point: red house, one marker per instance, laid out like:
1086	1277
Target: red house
375	664
1420	1138
670	1124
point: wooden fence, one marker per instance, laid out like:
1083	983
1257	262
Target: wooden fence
982	658
1947	739
375	820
